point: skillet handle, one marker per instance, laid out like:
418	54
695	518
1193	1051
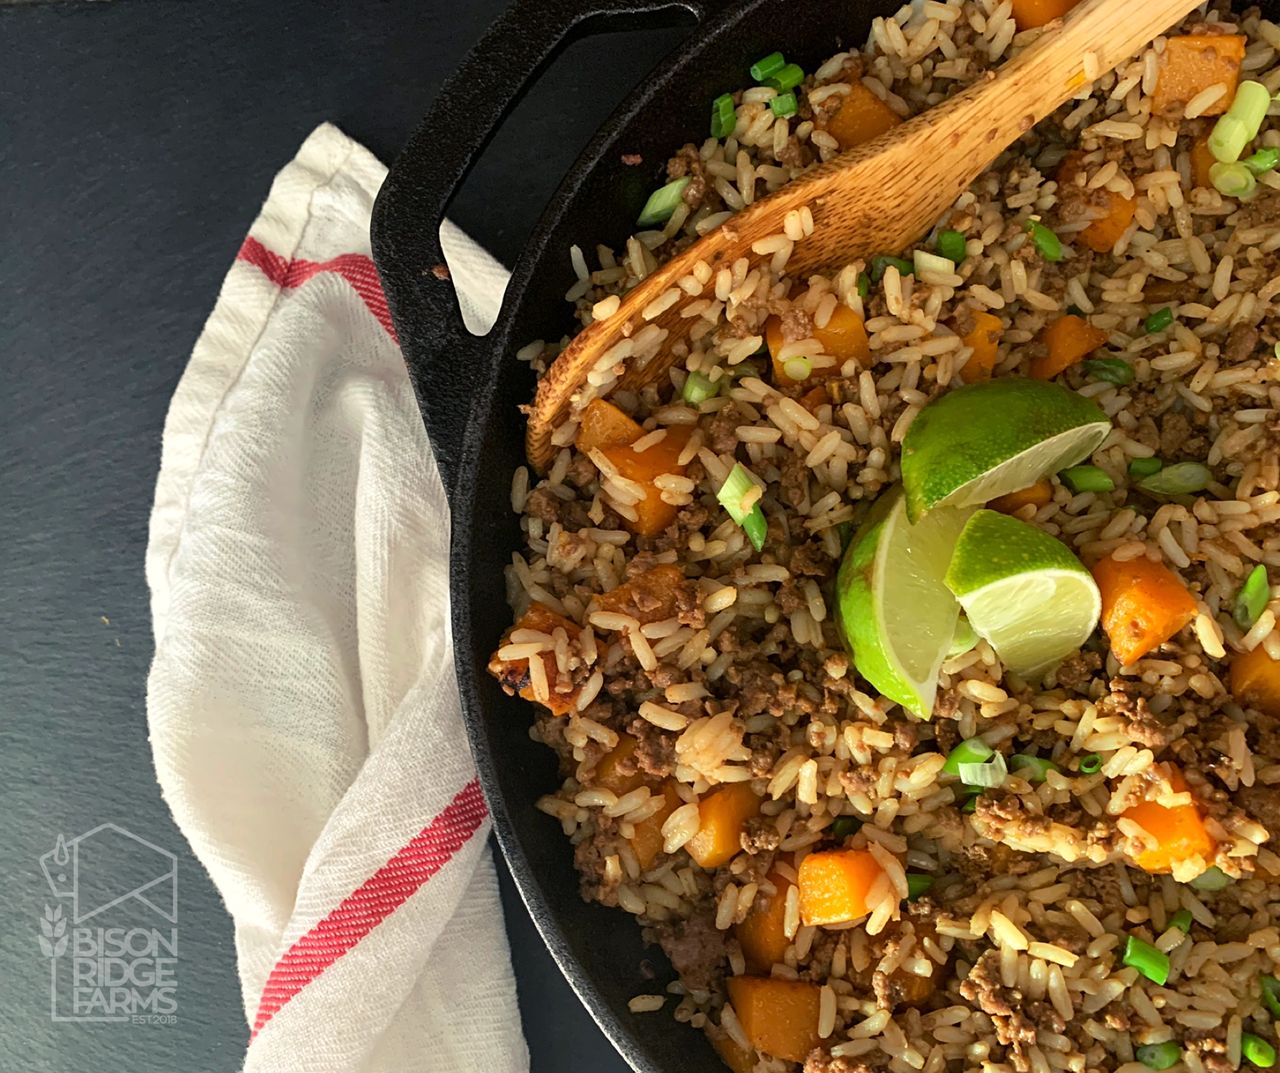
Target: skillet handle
467	112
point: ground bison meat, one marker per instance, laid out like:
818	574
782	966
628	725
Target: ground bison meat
1003	1005
795	480
1144	726
796	325
722	435
1179	439
821	1061
1240	343
1211	1052
811	560
1263	804
549	507
1076	672
689	162
760	835
589	855
696	949
655	752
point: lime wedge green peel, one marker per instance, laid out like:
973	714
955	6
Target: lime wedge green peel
896	613
988	439
1023	591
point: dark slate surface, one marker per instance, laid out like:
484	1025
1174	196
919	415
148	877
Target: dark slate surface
137	139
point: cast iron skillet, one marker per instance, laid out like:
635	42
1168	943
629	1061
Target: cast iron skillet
469	389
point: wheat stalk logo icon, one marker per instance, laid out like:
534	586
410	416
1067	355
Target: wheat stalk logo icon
53	932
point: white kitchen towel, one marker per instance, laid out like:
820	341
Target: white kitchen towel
303	709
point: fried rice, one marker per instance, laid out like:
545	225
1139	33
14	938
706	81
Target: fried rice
667	668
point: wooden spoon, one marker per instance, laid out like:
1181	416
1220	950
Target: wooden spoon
875	198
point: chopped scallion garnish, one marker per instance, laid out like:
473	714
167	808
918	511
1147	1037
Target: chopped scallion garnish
786	77
731	496
971	803
767	67
784	104
1239	125
882	261
1049	245
1144	467
697	389
1090	764
924	261
1158	321
1252	598
1181	920
988	774
917	884
969	751
1270	994
1212	879
1180	479
1031	768
1151	962
662	203
1257	1051
1232	180
1087	479
1113	370
864	286
797	368
1159	1055
724	116
951	244
844	826
1263	160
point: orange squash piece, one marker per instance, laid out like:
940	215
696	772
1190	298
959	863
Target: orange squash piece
1180	831
653	515
648	597
1190	64
984	337
1201	161
604	425
738	1059
1101	235
647	840
514	674
813	398
1143	605
779	1017
834	885
1255	681
722	816
1068	340
862	117
844	337
1029	14
761	934
615	772
1038	494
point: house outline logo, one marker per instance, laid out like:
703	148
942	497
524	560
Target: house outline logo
61	868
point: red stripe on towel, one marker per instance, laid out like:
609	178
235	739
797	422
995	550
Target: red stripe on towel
357	269
376	899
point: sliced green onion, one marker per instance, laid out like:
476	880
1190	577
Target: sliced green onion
1180	479
845	826
1252	598
1075	310
1270	994
784	104
987	775
1031	768
1152	963
735	488
917	884
767	67
964	638
1181	920
971	803
1250	106
1232	180
969	751
797	368
724	116
662	203
882	261
1090	764
1113	370
1228	138
924	261
1257	1051
864	287
1212	879
1087	479
1158	321
1049	245
1144	467
1263	160
1159	1055
951	244
786	77
697	389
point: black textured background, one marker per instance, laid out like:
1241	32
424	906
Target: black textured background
137	140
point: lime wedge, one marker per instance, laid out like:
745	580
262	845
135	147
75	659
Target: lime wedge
1023	591
896	613
988	439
